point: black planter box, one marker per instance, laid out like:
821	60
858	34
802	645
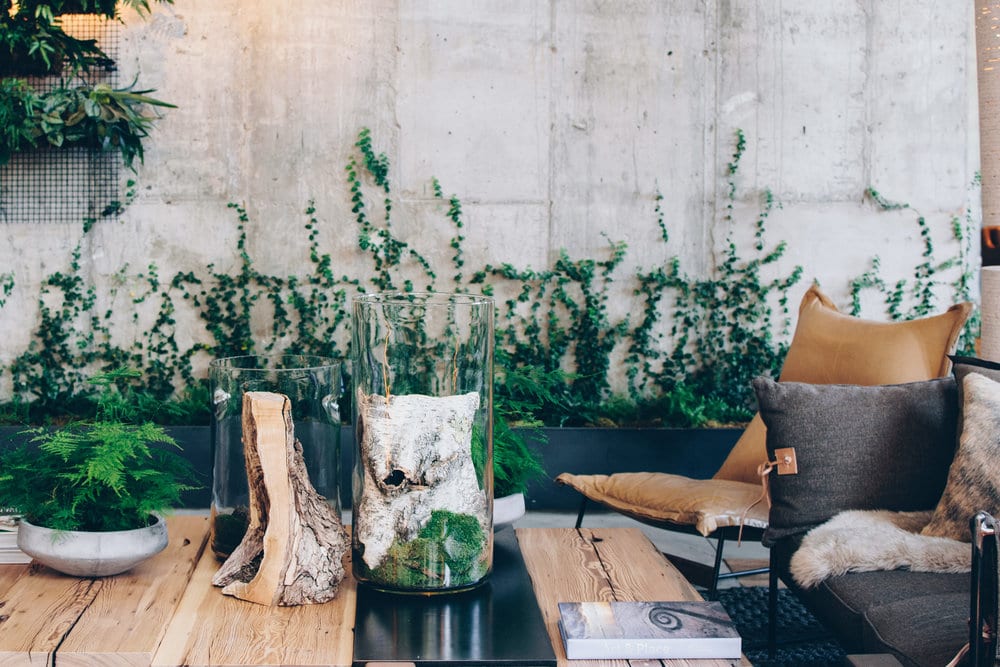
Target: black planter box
694	453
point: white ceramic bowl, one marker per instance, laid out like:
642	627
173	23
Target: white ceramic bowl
92	554
508	509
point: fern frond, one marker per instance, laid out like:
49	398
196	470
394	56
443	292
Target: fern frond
108	474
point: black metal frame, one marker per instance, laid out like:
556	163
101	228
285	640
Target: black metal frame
710	577
772	608
984	650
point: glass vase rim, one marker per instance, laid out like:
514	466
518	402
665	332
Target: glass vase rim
430	299
272	362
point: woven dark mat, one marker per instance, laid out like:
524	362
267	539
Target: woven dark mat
803	641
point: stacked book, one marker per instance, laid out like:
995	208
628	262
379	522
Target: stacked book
647	630
9	553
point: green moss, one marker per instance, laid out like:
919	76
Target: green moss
448	552
229	530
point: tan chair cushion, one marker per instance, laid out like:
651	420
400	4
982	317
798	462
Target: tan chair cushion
830	347
706	504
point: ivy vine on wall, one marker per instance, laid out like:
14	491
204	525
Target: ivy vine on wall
915	297
688	351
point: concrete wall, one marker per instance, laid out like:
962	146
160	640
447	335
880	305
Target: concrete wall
554	122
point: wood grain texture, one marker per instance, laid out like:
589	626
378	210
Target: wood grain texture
166	611
601	565
128	616
636	569
9	573
210	628
39	610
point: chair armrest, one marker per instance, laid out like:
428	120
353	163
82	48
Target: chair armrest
983	645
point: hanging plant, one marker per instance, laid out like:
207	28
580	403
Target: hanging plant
36	46
17	105
107	8
98	117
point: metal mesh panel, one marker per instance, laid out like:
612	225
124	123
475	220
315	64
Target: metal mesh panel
66	185
58	185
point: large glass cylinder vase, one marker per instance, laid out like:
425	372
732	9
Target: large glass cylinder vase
313	385
422	377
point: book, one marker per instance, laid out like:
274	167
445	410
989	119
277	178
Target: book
9	551
647	630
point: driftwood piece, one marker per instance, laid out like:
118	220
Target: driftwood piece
417	453
293	549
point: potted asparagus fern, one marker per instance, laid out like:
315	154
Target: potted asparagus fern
92	494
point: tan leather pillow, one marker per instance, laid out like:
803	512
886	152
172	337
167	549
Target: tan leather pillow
707	504
830	347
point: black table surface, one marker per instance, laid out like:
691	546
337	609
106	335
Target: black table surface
498	623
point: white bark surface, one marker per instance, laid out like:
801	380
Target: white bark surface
417	453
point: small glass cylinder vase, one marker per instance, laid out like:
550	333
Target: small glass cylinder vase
313	385
422	377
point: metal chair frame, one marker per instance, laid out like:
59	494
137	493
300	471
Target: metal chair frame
984	649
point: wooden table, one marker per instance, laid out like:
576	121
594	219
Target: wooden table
166	612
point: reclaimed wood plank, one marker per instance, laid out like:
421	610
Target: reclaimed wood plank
562	563
635	567
128	616
601	564
9	573
563	566
39	609
209	628
637	572
184	625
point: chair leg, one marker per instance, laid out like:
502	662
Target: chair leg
579	516
772	609
716	568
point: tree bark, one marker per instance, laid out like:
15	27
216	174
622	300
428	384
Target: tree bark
294	546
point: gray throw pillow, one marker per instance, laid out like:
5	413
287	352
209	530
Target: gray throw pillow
974	476
857	447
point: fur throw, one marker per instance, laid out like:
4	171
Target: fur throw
866	541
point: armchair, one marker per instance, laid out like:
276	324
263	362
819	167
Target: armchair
828	347
890	451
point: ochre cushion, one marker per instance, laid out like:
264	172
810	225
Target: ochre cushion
706	504
830	347
974	476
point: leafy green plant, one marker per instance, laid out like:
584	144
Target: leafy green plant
18	104
100	475
91	115
686	350
517	399
107	8
36	45
724	329
916	296
96	116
